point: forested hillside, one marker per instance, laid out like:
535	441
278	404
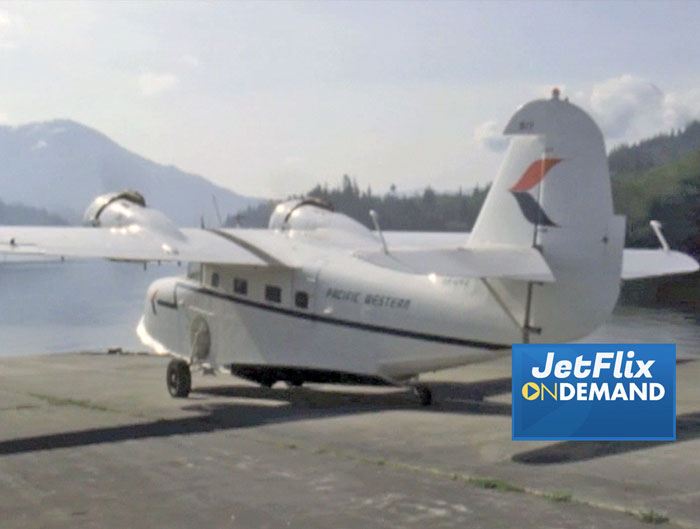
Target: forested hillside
19	214
654	152
669	193
657	179
427	211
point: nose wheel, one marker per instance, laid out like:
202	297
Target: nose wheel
179	378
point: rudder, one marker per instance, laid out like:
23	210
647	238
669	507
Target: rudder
553	192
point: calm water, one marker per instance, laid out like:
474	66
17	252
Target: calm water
54	307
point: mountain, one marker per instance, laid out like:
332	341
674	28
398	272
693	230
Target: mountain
62	165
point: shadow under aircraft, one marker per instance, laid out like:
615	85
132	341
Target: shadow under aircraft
251	409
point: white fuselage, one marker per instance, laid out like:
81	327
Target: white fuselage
382	315
358	317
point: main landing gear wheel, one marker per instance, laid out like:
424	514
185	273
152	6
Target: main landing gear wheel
267	381
179	378
425	396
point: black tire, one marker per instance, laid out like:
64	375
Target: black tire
179	378
296	381
425	396
267	381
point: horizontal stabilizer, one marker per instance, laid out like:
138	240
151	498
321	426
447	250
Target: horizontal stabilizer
640	263
507	262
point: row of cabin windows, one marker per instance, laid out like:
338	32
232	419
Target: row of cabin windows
272	293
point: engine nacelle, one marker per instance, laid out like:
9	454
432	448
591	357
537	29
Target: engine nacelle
127	209
310	214
113	209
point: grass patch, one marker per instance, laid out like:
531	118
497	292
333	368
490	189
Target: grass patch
652	517
559	495
19	407
500	485
494	484
58	401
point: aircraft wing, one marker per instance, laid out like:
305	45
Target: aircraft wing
130	243
507	262
641	263
412	252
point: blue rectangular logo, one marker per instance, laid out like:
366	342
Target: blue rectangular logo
594	392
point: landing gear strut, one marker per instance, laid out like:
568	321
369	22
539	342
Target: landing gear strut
425	396
179	378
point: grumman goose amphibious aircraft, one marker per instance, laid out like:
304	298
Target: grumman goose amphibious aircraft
319	297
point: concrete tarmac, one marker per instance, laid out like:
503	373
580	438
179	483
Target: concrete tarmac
94	440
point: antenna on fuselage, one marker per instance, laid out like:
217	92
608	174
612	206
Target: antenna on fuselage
375	220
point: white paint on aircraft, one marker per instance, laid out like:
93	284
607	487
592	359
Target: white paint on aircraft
318	292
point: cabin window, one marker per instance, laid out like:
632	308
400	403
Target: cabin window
215	280
273	293
194	271
240	286
301	300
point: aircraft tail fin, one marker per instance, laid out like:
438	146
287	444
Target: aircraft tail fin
554	178
553	192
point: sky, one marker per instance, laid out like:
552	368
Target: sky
271	98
